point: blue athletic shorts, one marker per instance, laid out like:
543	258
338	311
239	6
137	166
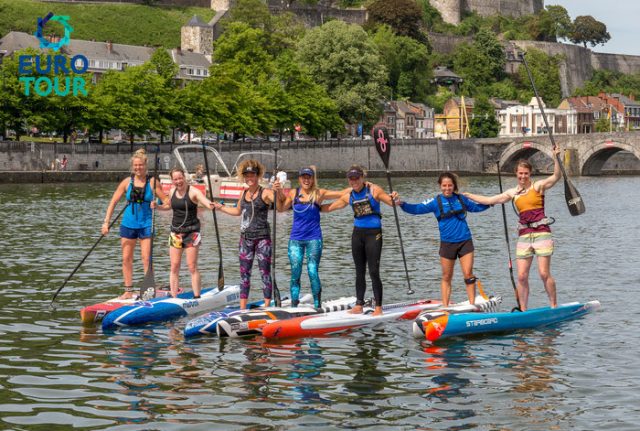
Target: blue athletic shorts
141	233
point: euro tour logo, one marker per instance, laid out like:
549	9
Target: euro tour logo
35	68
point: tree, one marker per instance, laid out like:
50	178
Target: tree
481	63
550	24
586	29
343	59
407	61
546	75
403	16
484	123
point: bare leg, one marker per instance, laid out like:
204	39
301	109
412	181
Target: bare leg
175	255
447	275
145	252
128	246
192	263
544	269
466	264
524	265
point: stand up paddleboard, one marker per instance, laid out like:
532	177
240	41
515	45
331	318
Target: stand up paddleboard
251	322
443	325
163	309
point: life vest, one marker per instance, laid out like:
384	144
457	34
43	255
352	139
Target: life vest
461	214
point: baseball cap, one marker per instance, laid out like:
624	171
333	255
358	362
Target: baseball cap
249	170
355	173
306	171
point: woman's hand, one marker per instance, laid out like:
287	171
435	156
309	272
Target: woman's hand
105	228
396	198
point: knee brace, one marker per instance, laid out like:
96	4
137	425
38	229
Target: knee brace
471	280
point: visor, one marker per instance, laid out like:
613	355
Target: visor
355	173
249	170
306	171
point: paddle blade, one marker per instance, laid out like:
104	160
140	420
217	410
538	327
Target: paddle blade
149	282
573	198
383	143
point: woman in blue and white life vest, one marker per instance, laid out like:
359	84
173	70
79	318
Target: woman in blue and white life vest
185	230
450	209
366	239
306	233
138	190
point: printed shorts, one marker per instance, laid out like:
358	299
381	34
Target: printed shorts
184	240
535	243
129	233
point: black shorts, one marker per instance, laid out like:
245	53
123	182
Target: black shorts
454	250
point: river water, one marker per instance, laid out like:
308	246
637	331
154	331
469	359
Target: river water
582	375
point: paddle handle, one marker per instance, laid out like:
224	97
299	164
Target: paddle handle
410	291
276	291
86	256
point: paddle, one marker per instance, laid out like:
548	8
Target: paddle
149	281
506	237
86	256
383	145
276	291
571	194
215	220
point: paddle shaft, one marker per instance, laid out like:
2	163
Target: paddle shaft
395	215
506	237
572	196
215	220
276	291
87	255
149	280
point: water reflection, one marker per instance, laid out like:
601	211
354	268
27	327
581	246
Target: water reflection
368	379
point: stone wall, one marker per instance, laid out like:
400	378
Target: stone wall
315	16
511	8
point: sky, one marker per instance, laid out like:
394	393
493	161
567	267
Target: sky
620	17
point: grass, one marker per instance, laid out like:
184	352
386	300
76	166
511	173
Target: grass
120	23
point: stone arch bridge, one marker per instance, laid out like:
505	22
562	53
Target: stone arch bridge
585	154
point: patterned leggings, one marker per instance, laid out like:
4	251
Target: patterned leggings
297	251
250	248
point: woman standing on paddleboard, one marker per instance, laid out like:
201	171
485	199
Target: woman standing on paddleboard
255	234
136	224
366	239
185	230
450	209
306	233
534	233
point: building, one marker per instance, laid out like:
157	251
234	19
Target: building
193	57
407	120
527	120
625	109
588	109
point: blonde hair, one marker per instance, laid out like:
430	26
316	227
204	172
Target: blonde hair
313	196
253	164
139	154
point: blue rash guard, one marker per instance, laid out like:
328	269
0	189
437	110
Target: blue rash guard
452	219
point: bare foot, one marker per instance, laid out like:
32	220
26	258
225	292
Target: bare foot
127	295
356	310
377	311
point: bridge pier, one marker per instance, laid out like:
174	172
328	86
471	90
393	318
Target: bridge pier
571	162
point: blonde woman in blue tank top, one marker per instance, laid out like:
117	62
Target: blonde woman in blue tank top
306	233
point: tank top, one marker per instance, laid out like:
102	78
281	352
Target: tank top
254	217
185	214
366	210
306	220
530	206
138	213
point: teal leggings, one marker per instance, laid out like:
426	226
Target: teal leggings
297	251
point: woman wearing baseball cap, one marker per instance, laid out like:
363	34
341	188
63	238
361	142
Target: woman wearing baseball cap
366	239
255	233
306	233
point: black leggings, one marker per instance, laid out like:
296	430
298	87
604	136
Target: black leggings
366	248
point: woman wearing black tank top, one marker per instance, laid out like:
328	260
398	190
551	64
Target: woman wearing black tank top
255	236
185	230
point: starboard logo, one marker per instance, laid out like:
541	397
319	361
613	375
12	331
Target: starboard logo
35	68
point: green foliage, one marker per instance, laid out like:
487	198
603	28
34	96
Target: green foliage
120	23
346	63
403	16
484	123
550	24
610	82
481	63
430	15
586	29
407	61
603	125
438	100
546	75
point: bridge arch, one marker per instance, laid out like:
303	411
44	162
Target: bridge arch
523	150
593	159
